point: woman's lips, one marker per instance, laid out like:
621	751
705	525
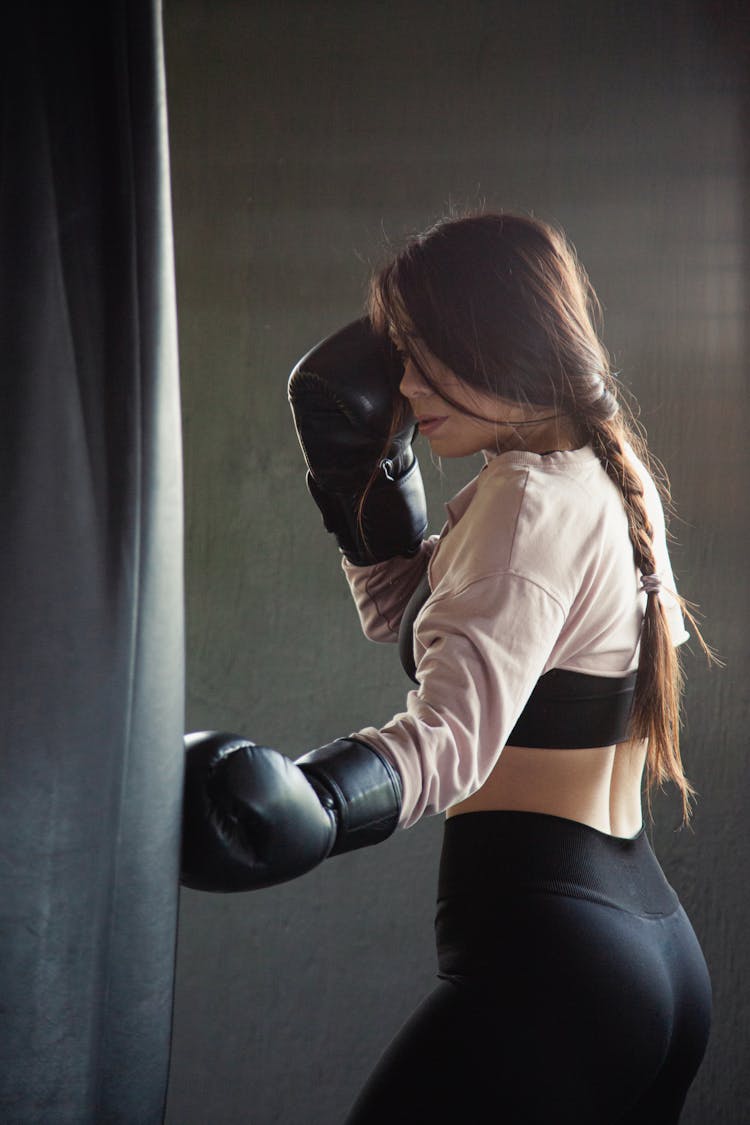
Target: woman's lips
429	424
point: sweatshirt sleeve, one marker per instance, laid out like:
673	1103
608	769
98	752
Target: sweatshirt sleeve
381	592
483	649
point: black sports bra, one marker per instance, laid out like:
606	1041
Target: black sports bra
566	710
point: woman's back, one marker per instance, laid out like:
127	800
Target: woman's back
599	786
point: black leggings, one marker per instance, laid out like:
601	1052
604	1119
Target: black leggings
572	987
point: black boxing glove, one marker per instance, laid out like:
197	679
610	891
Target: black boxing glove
253	818
356	431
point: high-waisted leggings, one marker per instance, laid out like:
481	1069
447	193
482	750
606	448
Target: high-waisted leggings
572	989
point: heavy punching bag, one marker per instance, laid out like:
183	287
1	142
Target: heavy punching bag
91	603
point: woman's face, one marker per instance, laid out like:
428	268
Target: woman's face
452	433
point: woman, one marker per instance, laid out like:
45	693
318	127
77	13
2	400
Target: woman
541	628
572	985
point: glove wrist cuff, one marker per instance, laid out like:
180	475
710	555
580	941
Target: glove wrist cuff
390	520
360	787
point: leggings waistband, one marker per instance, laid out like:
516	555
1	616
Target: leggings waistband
495	854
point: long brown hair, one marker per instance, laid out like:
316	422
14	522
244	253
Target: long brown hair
503	301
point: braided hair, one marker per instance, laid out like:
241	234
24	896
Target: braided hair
660	679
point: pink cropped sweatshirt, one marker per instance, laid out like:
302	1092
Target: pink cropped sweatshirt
532	571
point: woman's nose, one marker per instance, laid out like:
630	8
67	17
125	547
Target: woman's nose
412	384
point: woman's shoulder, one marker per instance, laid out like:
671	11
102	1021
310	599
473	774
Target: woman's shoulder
542	497
525	513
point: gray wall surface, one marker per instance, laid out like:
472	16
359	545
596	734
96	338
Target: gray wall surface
303	136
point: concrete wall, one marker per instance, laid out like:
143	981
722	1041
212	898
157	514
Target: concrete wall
303	135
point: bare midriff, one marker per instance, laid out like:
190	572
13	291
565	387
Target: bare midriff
600	787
